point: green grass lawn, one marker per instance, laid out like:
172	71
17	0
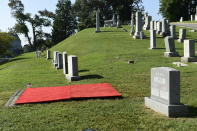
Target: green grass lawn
190	22
102	58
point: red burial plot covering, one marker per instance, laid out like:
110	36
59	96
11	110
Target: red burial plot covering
48	94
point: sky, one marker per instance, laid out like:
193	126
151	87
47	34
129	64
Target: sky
32	6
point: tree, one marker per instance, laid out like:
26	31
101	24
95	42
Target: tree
64	23
37	22
84	10
125	7
175	9
5	40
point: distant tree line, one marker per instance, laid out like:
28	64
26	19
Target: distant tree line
67	19
175	9
85	10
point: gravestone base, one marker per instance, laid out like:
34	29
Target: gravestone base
195	17
119	26
72	78
136	35
97	31
132	33
146	28
58	67
168	110
163	34
181	40
152	48
171	54
55	64
188	59
142	35
158	32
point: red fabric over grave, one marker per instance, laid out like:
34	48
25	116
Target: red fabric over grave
48	94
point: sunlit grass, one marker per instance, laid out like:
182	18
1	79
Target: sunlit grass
103	57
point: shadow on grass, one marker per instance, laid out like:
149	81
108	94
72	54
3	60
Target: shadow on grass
158	48
160	37
84	70
111	31
192	112
15	59
2	68
77	99
91	77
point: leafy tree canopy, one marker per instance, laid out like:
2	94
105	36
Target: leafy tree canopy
5	40
175	9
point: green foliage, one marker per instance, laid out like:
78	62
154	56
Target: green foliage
85	10
5	40
37	22
175	9
64	21
17	11
125	7
47	13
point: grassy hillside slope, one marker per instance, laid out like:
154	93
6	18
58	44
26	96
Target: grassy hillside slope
102	58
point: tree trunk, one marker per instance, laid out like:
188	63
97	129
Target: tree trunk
34	36
29	39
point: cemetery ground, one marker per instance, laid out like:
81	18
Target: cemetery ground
103	58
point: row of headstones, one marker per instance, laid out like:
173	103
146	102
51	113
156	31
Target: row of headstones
114	22
165	81
137	26
69	64
110	23
140	22
189	45
164	29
